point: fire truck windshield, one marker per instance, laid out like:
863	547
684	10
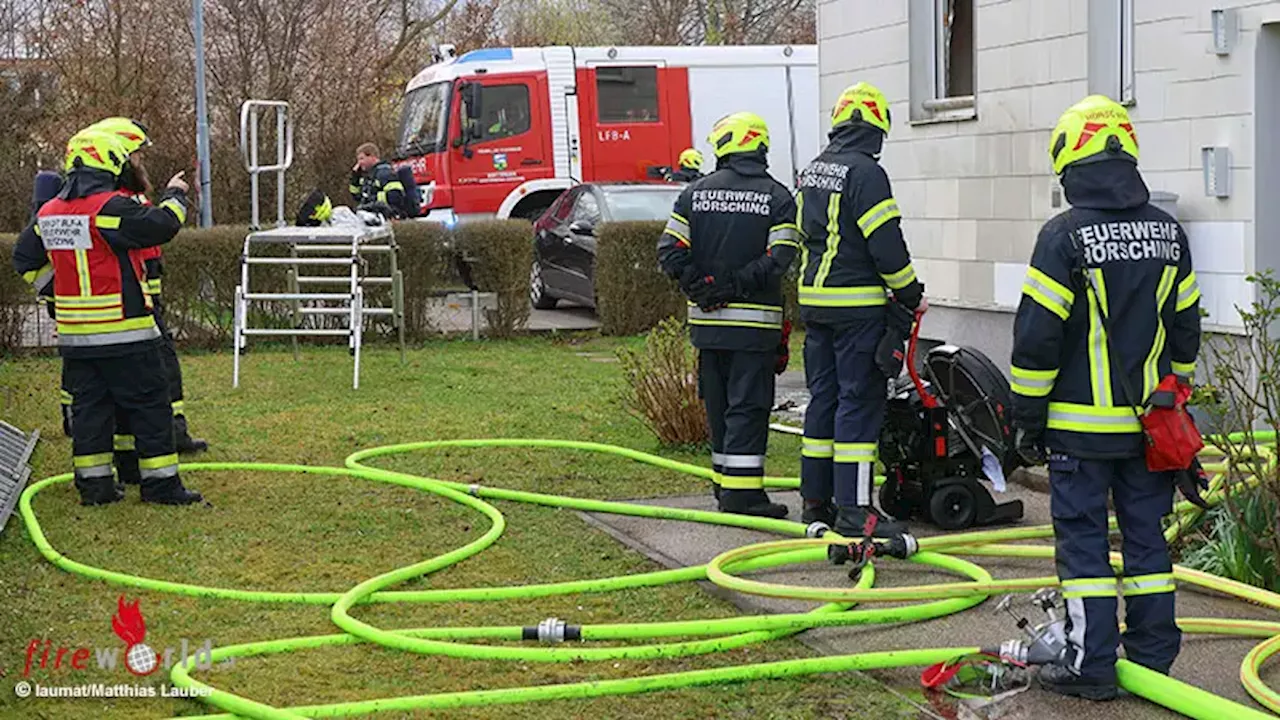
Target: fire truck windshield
425	119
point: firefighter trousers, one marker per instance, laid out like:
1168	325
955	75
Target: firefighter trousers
169	355
172	369
736	387
1078	501
847	396
120	404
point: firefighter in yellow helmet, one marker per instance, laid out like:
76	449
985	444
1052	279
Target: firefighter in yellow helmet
690	166
857	284
135	138
90	235
730	238
1087	351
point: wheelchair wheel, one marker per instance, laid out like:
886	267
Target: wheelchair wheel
953	506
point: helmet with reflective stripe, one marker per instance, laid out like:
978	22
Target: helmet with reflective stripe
316	209
133	134
96	150
1096	128
691	159
862	103
741	132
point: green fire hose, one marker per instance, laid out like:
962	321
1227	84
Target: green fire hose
668	639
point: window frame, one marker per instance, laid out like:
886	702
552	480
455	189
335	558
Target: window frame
930	57
568	199
1112	31
485	137
578	204
600	95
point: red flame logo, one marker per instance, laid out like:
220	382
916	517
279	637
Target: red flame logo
128	623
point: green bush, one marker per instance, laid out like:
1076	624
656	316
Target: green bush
1239	540
201	271
634	294
427	266
502	255
662	385
15	299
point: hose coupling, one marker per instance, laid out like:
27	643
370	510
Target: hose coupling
816	529
473	490
552	630
912	545
899	546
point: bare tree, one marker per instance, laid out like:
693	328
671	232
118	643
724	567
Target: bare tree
341	64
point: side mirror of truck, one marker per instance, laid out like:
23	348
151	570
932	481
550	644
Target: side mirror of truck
471	110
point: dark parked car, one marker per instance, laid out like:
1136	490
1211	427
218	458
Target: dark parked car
564	252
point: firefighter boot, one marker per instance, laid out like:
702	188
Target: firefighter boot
750	502
823	512
851	523
98	491
168	491
1059	679
184	443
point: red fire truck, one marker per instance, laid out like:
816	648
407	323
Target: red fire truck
502	132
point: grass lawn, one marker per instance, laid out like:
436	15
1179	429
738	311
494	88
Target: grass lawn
274	531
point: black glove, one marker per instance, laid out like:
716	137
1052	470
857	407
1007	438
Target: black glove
382	209
699	291
897	331
1191	481
784	349
689	277
1030	446
724	289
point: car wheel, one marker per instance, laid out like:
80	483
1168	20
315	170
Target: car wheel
538	289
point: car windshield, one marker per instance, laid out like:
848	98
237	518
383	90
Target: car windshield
425	117
641	204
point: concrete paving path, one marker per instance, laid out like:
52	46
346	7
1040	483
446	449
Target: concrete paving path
1210	663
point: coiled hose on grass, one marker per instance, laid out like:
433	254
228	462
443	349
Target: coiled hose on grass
684	638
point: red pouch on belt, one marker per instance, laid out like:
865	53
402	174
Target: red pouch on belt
1172	438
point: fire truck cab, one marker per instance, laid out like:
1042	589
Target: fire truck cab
502	132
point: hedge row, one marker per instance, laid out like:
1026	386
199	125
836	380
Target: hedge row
14	294
202	270
634	293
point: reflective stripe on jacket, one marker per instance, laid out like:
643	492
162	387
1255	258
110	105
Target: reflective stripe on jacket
91	279
854	254
1064	373
737	225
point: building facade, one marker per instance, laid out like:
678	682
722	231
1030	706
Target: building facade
976	86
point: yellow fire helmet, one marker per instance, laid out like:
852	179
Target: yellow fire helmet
741	132
862	103
97	150
691	159
133	134
324	211
1096	128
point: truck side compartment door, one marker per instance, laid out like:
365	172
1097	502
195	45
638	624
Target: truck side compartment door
634	117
